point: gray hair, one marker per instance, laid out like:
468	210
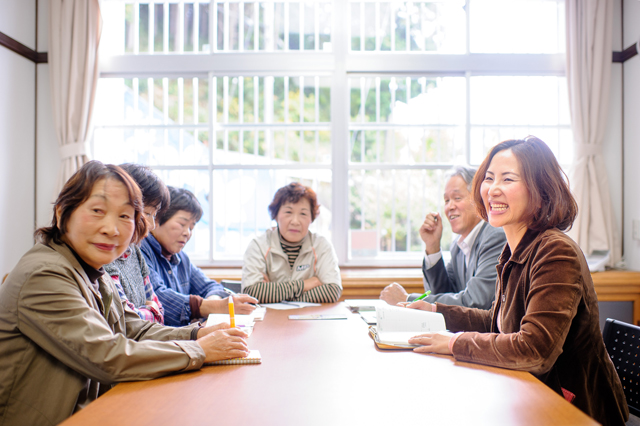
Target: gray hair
466	173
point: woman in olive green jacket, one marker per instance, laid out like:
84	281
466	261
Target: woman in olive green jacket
65	335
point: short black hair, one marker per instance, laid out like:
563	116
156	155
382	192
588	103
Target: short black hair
181	199
154	192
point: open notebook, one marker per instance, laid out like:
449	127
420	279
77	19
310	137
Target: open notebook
397	325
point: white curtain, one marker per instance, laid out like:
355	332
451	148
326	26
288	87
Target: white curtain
589	56
74	36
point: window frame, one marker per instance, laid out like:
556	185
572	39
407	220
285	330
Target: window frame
340	64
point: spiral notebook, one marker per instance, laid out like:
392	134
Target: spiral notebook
253	358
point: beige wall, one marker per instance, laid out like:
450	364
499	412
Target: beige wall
17	134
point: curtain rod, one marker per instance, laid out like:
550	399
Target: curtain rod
22	50
628	53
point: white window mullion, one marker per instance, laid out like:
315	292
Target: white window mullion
196	106
468	26
301	103
269	28
165	112
165	28
240	115
213	26
378	119
393	211
196	27
362	26
340	94
150	108
467	121
392	25
226	27
286	99
181	115
423	145
256	114
213	138
422	29
286	117
136	28
136	97
268	116
407	26
256	26
378	208
363	99
363	181
378	28
180	29
408	222
239	197
317	117
225	113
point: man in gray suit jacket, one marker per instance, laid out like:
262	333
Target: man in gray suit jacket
469	279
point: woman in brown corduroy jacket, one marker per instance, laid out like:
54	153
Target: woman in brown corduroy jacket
545	316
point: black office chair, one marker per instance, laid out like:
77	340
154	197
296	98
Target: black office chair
623	344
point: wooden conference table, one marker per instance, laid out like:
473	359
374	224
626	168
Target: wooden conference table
328	372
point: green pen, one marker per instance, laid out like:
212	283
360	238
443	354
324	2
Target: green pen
422	296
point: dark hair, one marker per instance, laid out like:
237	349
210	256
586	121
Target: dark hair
551	204
78	189
154	192
181	199
292	193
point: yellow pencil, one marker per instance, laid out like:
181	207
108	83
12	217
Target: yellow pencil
232	313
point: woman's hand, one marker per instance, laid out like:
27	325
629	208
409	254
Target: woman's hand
224	344
437	343
243	303
203	331
215	305
310	283
420	304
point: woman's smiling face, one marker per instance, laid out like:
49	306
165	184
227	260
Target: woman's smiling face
100	229
504	193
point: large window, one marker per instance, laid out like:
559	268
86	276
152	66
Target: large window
368	102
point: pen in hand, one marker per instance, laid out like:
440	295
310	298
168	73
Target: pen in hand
422	296
232	313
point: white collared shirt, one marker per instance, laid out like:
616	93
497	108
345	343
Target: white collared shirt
464	245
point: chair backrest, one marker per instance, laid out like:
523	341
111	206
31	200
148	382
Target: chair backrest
623	344
234	286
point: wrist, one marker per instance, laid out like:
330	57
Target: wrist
429	250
